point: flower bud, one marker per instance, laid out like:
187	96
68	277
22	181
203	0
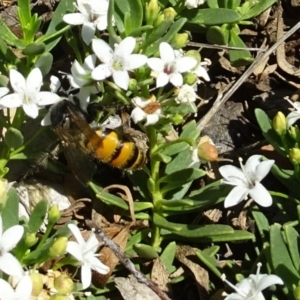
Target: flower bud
159	20
207	150
64	284
3	193
294	155
30	239
296	293
294	133
169	13
152	10
177	119
180	40
37	283
132	85
59	247
195	54
279	123
190	78
54	214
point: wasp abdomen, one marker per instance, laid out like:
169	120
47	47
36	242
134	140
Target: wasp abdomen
109	147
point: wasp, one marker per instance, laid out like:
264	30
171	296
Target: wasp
124	147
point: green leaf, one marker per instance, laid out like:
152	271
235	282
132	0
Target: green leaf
145	251
10	213
34	49
257	9
37	216
13	138
203	232
239	58
268	132
292	238
211	16
168	256
261	221
174	29
6	34
56	24
209	261
24	12
7	57
281	259
217	35
44	63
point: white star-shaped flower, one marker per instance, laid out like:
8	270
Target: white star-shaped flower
84	252
81	79
8	240
145	110
118	62
22	291
92	14
247	181
250	288
27	93
170	65
293	116
193	3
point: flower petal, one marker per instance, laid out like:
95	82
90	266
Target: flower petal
77	234
121	78
17	81
176	79
155	64
185	64
31	110
88	31
138	115
86	276
90	62
98	266
24	288
47	98
92	244
152	119
266	281
7	292
102	50
101	72
233	175
251	165
135	61
75	250
162	79
292	118
34	82
236	195
3	91
263	169
166	52
126	47
75	19
11	237
261	195
11	101
10	265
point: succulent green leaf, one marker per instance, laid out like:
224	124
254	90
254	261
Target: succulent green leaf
168	256
44	63
209	261
217	35
37	216
145	251
34	49
211	16
281	259
257	9
13	138
261	221
292	239
10	213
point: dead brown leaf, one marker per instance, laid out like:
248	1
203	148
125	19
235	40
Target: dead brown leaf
160	276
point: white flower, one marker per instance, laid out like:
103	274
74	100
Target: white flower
81	79
22	291
200	71
145	110
293	116
250	288
247	181
84	252
117	63
8	240
3	91
193	3
169	67
27	93
186	94
92	14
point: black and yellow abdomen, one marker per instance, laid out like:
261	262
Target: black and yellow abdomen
110	147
